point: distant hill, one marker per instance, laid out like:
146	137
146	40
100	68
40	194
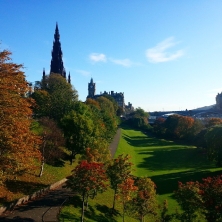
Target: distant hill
204	108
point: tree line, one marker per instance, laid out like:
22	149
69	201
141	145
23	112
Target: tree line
206	135
35	125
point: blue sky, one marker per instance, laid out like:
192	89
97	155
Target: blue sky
163	54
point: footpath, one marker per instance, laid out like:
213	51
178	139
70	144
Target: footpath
47	207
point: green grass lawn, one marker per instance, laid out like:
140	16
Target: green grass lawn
28	183
165	162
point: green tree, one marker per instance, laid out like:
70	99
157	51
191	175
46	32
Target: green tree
139	119
78	131
213	138
58	96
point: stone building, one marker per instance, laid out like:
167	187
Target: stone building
219	102
118	97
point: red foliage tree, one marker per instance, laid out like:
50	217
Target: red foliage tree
88	178
205	198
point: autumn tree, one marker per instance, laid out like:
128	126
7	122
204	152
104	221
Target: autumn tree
213	121
145	201
88	178
18	145
201	199
189	198
126	191
118	171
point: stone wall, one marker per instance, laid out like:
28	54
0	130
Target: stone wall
32	196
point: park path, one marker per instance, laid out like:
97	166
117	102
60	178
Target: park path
46	208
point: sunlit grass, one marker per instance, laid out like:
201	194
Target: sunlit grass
28	183
165	162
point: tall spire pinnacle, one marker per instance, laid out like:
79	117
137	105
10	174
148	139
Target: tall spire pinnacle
69	78
57	62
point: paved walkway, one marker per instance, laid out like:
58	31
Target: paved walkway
46	208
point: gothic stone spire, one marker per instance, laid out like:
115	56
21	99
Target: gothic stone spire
56	62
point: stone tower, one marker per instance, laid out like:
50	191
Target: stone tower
91	89
56	61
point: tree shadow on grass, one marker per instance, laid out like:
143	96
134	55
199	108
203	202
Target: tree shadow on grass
67	216
145	141
108	212
103	216
168	183
17	186
76	201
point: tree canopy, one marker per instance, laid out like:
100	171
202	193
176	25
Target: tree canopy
18	145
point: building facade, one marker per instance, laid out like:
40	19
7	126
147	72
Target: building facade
118	97
219	102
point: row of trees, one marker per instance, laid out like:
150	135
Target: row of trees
201	201
137	195
34	128
138	119
205	135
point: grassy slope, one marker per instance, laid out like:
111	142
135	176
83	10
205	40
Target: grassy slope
30	182
165	162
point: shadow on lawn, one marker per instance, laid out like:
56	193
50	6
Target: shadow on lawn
165	155
144	141
100	212
168	183
104	214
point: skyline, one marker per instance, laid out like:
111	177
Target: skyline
163	55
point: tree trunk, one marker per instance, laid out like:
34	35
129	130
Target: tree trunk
72	156
42	167
114	200
83	206
43	157
123	211
87	202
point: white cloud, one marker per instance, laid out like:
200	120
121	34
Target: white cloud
83	72
97	57
122	62
159	54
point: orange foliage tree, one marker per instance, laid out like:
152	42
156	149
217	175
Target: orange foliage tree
18	145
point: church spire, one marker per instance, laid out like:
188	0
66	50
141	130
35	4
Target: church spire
69	78
57	62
